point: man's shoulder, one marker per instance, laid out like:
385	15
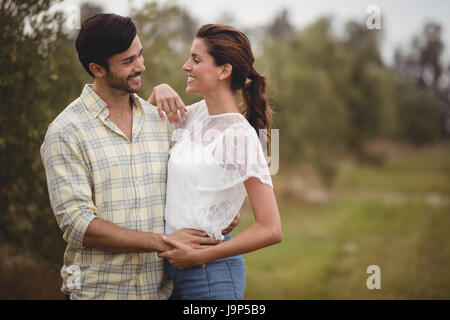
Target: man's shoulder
151	112
146	106
69	119
152	118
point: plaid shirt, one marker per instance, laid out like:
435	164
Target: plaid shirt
93	170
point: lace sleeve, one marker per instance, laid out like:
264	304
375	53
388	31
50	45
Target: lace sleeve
237	156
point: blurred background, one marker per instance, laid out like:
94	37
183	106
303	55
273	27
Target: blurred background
361	97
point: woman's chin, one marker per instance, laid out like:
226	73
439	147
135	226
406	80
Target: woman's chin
190	90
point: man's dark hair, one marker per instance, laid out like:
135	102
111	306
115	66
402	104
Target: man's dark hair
102	36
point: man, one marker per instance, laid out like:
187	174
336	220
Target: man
105	158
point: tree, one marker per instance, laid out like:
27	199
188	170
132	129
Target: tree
309	110
88	10
360	88
423	65
40	75
280	28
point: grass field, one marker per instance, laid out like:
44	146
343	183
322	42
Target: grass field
396	216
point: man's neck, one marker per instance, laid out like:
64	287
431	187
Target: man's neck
117	101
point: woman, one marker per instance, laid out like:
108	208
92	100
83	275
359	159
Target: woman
217	159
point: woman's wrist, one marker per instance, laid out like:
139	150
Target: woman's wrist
206	255
152	99
200	256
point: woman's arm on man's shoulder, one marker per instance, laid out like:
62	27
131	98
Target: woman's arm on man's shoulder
167	99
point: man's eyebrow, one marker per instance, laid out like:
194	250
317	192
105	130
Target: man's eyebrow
132	57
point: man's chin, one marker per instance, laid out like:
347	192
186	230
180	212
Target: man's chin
134	89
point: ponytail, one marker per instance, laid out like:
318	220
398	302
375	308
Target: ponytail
257	111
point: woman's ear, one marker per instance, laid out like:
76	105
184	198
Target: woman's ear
225	71
97	70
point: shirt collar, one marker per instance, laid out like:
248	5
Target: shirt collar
97	105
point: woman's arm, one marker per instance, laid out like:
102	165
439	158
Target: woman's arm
167	99
264	232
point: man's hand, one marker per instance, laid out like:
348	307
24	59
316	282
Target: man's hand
233	224
167	99
182	256
192	238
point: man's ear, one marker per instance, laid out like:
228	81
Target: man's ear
97	70
225	71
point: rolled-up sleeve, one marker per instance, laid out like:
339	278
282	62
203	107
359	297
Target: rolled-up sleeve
68	184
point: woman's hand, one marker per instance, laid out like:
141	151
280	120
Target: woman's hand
192	238
167	99
233	224
182	256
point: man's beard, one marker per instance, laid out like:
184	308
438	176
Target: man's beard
121	83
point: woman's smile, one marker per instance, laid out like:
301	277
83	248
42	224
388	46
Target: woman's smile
190	79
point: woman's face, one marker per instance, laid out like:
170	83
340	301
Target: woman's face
203	74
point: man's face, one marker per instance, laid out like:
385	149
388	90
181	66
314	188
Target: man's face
125	69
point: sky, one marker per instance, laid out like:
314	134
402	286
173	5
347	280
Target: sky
400	20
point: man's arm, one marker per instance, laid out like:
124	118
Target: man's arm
68	184
105	235
71	200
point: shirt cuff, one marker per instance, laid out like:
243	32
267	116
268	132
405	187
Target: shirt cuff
76	232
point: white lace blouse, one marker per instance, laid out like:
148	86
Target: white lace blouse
212	157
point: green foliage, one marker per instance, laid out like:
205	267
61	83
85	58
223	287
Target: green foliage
38	78
428	109
311	115
332	96
420	118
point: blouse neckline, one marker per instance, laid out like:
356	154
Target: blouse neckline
224	114
220	114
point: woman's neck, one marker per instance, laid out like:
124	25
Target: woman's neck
222	101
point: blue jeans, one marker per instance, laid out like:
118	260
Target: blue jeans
222	279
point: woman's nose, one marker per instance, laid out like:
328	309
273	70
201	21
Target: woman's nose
186	66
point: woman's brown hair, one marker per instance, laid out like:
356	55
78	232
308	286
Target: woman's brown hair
227	44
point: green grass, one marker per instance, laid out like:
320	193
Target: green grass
396	216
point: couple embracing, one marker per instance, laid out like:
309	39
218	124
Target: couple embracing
146	204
